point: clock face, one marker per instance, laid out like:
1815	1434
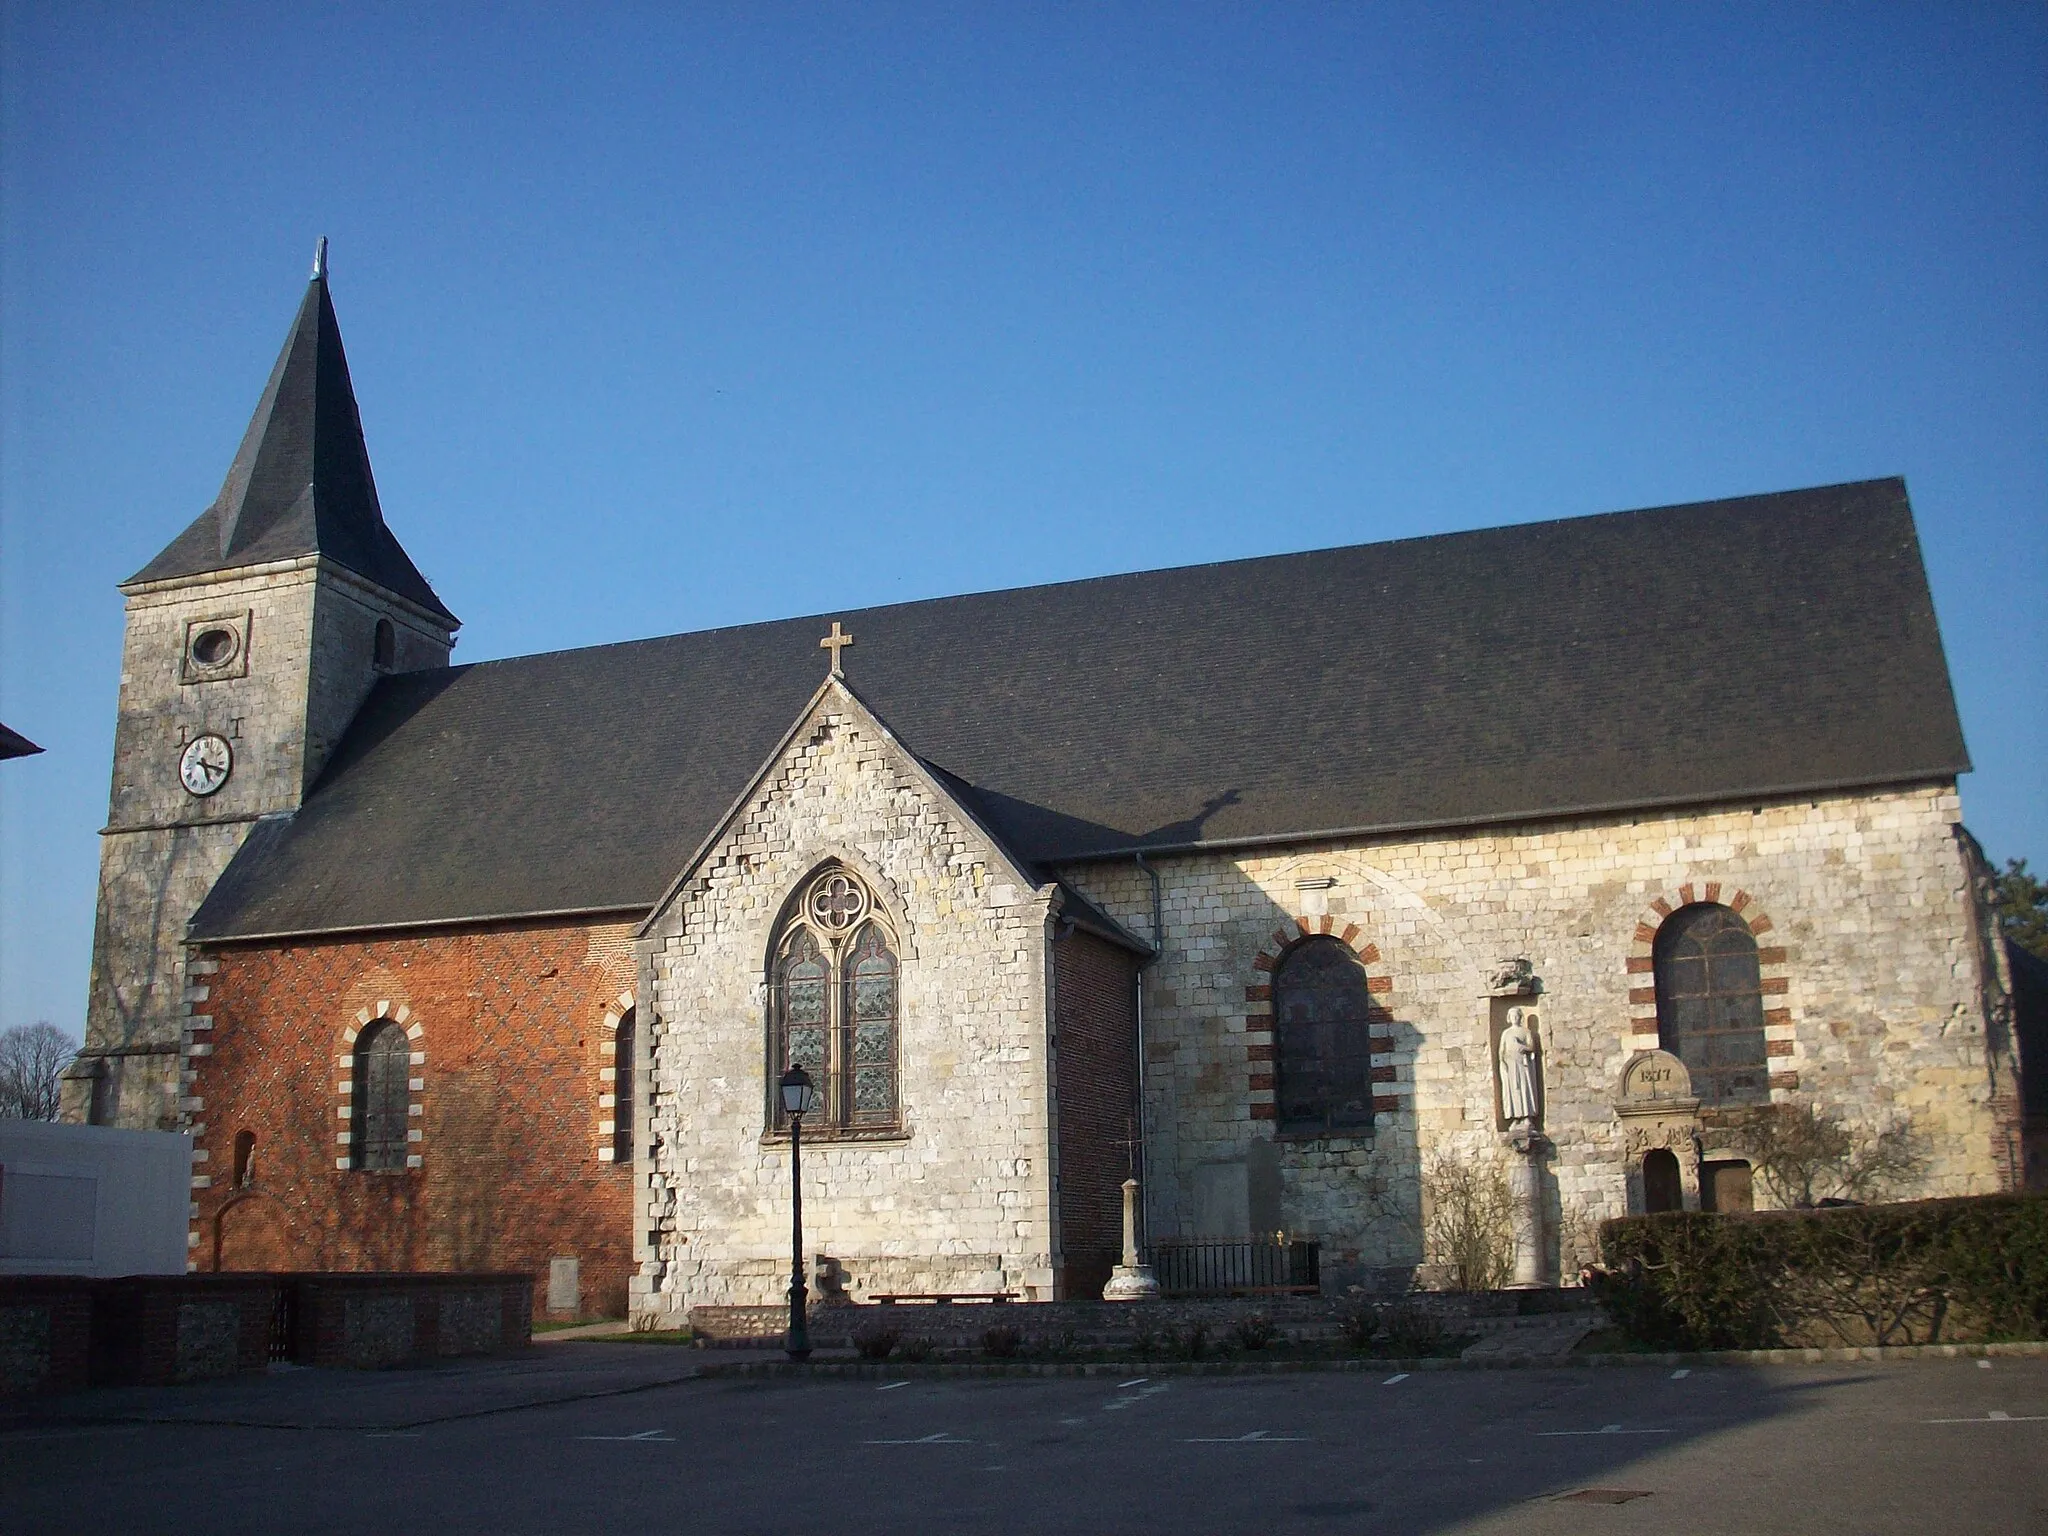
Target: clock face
206	763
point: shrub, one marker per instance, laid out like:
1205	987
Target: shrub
1254	1332
1001	1342
1189	1342
1411	1332
1467	1226
1144	1342
875	1341
916	1349
1401	1331
1359	1327
1923	1272
1805	1154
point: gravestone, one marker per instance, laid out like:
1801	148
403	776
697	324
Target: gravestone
565	1286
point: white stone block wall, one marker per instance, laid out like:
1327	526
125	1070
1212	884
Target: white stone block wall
962	1200
1880	1017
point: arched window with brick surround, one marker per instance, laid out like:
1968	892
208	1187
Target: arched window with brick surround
380	1100
1710	1006
833	1003
1322	1040
622	1089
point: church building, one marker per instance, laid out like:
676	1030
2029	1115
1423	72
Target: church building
1559	849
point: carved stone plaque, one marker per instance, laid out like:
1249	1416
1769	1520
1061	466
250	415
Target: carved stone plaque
1654	1078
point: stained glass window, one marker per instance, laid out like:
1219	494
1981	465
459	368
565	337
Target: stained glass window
1322	1014
1710	1005
834	1004
870	1014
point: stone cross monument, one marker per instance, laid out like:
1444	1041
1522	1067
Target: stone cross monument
1131	1280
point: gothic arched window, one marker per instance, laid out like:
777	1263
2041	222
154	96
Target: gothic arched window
1710	1003
833	1000
380	1098
1322	1040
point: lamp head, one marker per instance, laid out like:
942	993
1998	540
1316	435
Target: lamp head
798	1096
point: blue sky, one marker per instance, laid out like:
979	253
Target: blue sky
669	317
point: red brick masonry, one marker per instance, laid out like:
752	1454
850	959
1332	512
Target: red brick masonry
508	1041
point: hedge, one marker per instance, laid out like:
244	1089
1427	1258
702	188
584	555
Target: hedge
1923	1272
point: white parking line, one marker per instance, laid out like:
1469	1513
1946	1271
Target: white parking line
941	1438
1983	1365
1604	1429
646	1436
1680	1375
891	1386
1256	1437
1397	1376
1135	1381
1136	1397
1996	1417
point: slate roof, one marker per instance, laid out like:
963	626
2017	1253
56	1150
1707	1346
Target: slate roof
14	744
1715	652
301	482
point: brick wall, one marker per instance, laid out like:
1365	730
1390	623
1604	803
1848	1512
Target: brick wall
509	1051
45	1334
1096	1072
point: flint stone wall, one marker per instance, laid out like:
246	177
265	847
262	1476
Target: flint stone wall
1880	1019
961	1201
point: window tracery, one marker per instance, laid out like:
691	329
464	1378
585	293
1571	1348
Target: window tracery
833	1007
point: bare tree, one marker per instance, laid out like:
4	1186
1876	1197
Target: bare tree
1467	1214
31	1057
1806	1154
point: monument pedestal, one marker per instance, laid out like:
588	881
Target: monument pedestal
1525	1185
1130	1280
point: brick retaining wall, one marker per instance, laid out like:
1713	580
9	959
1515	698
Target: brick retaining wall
45	1334
59	1334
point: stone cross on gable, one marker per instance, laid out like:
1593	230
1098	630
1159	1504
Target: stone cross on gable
835	642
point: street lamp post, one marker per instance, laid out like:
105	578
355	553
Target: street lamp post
798	1098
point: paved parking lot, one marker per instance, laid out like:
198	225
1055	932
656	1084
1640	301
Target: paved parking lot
1928	1446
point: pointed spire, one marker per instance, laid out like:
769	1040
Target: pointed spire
301	484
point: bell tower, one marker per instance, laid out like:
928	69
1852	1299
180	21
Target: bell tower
251	642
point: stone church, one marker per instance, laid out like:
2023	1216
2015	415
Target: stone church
1253	879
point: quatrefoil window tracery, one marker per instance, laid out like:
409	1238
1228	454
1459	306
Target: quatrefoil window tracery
837	903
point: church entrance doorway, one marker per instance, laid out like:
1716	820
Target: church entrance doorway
1726	1186
1662	1188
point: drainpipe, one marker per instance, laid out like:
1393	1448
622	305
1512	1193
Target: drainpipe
1158	949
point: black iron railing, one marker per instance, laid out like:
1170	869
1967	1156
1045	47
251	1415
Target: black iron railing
1257	1266
284	1322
